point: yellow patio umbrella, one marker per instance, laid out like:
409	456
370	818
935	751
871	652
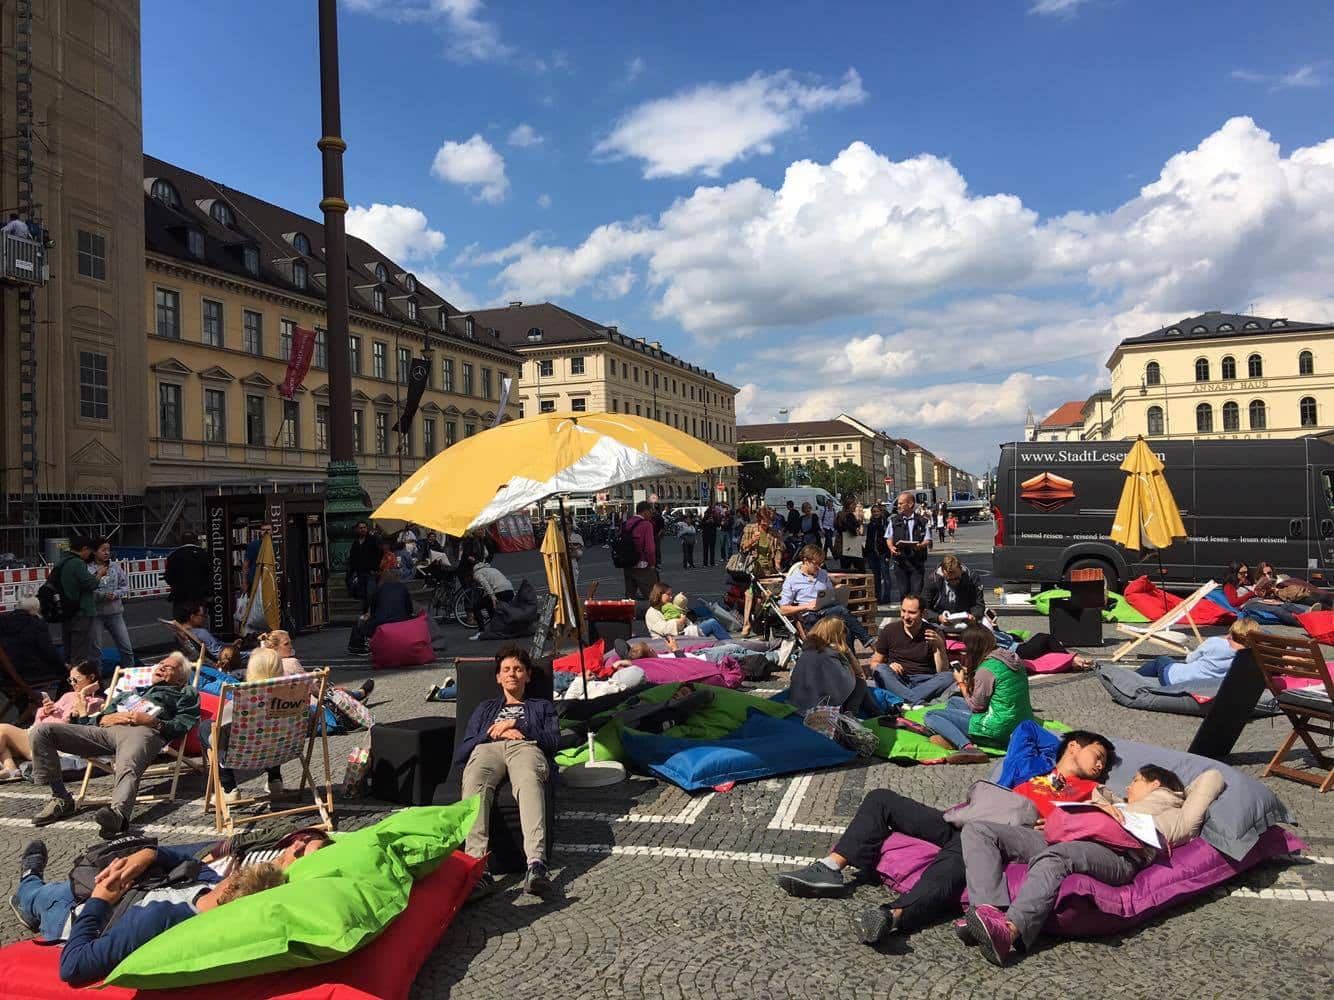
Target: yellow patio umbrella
263	587
560	577
1147	516
513	466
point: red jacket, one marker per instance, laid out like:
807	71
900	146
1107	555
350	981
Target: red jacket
641	530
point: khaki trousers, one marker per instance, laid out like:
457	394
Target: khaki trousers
528	770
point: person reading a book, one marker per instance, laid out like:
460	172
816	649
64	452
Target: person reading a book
133	728
808	596
953	596
1158	812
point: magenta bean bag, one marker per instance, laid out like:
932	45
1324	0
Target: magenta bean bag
1051	663
673	670
402	644
1089	908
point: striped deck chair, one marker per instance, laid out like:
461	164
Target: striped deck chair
271	723
177	756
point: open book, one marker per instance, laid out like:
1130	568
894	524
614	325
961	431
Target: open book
1137	824
138	703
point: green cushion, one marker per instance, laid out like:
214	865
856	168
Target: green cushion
1120	611
904	744
711	722
334	901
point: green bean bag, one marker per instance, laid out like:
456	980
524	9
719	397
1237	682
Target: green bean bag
905	745
1120	611
334	901
726	714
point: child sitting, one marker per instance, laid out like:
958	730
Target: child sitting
677	607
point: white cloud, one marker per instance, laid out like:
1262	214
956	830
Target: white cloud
524	135
469	37
634	69
1057	8
704	129
474	163
1303	77
398	231
544	200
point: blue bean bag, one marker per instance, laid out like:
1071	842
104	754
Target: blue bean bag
761	747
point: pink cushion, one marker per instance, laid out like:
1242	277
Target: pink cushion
1283	683
1050	663
385	968
402	644
1089	908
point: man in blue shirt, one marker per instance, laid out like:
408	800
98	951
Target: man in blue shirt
802	592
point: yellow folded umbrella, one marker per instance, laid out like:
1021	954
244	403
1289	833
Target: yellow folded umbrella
556	561
1147	516
511	467
264	586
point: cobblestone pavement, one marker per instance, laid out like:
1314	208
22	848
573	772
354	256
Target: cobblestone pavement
665	895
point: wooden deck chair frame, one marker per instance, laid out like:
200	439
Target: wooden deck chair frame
1281	656
1153	632
177	760
224	819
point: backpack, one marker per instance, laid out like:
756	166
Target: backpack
56	607
83	872
624	552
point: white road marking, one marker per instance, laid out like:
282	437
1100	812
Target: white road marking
698	854
790	803
686	817
20	821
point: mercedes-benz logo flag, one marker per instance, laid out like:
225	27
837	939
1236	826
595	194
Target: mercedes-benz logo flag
416	386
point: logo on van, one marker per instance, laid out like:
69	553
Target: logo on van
1047	492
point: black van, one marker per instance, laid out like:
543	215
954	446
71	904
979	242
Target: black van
1240	500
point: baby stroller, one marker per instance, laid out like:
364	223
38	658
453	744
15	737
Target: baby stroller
766	620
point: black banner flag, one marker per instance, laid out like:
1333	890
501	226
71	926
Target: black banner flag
417	373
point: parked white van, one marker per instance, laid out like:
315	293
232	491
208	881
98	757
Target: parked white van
778	497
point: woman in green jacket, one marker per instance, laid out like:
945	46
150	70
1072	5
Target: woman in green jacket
993	700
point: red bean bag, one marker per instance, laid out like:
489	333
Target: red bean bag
1319	625
1153	603
592	662
402	644
384	969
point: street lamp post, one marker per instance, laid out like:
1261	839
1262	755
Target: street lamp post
345	501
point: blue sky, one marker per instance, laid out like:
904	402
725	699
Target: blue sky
931	216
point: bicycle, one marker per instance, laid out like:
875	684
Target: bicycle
452	599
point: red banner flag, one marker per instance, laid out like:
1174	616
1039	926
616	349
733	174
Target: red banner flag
298	362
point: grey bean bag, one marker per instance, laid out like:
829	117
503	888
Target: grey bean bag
1133	691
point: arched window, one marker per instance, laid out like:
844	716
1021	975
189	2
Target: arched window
165	193
1199	329
301	243
1308	411
1255	368
1155	421
300	275
1306	363
1153	375
1229	367
409	282
1257	412
1231	417
1201	369
1225	328
1250	324
1204	419
380	273
222	215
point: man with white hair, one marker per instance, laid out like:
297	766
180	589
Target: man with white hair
133	728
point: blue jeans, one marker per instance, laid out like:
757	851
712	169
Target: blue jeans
48	903
713	629
951	722
714	654
1156	668
877	568
724	545
1284	612
854	627
114	625
915	689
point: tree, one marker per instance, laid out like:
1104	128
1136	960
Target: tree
843	479
753	478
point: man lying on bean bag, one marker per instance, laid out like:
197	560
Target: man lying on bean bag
1001	925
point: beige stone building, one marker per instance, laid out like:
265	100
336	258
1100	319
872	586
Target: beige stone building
229	280
85	440
1223	375
574	364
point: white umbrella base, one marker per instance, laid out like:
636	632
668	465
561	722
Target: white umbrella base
594	774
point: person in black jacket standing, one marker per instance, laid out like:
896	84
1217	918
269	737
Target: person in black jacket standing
908	539
392	603
709	529
363	565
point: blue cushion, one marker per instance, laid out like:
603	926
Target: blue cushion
1218	597
761	747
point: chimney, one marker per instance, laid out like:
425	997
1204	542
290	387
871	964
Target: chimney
515	304
656	345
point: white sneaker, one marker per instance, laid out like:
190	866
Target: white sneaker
475	636
276	788
785	652
232	797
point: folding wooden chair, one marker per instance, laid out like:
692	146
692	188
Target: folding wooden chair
269	723
173	758
1160	631
1309	707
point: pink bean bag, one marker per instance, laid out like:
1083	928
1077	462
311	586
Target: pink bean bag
1051	663
402	644
673	670
1153	603
384	969
1089	908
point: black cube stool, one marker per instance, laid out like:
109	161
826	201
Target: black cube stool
1073	625
410	758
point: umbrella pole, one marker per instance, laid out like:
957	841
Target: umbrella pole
574	597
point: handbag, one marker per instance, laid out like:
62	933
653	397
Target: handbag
742	563
843	729
352	713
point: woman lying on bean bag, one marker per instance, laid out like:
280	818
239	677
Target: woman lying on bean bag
1210	661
